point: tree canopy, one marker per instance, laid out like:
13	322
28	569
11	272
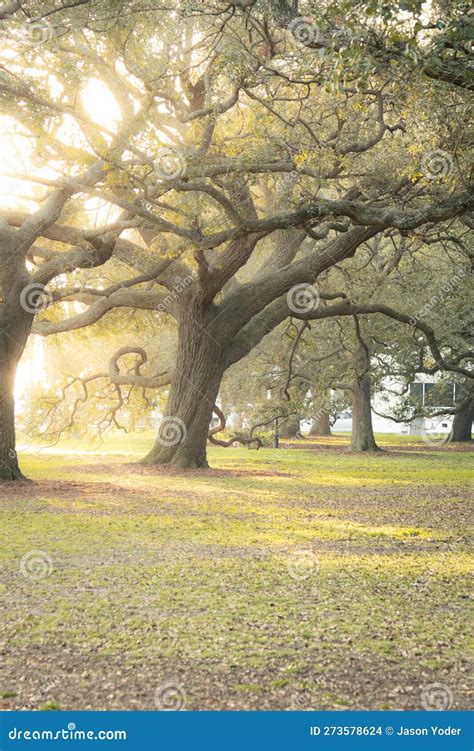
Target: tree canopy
210	159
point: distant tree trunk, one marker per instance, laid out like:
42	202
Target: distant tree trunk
290	428
363	438
320	424
462	423
182	434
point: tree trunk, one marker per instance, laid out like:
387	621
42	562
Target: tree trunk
16	319
290	428
462	423
320	424
9	351
9	469
183	431
362	431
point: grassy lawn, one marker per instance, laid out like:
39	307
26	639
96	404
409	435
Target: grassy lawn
304	578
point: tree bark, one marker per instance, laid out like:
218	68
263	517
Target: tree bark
320	423
17	312
362	438
183	431
462	423
12	343
9	469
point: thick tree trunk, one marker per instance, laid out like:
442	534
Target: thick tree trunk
462	423
16	319
362	431
320	424
290	428
9	469
182	434
363	438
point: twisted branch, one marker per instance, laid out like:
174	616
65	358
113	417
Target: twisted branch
236	438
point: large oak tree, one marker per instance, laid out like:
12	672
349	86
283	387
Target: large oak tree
242	164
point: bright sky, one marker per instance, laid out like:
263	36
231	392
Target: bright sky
16	159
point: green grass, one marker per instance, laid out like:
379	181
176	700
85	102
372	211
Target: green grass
285	563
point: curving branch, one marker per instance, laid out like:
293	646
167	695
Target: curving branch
264	423
294	347
136	378
236	438
278	311
116	379
350	309
121	298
